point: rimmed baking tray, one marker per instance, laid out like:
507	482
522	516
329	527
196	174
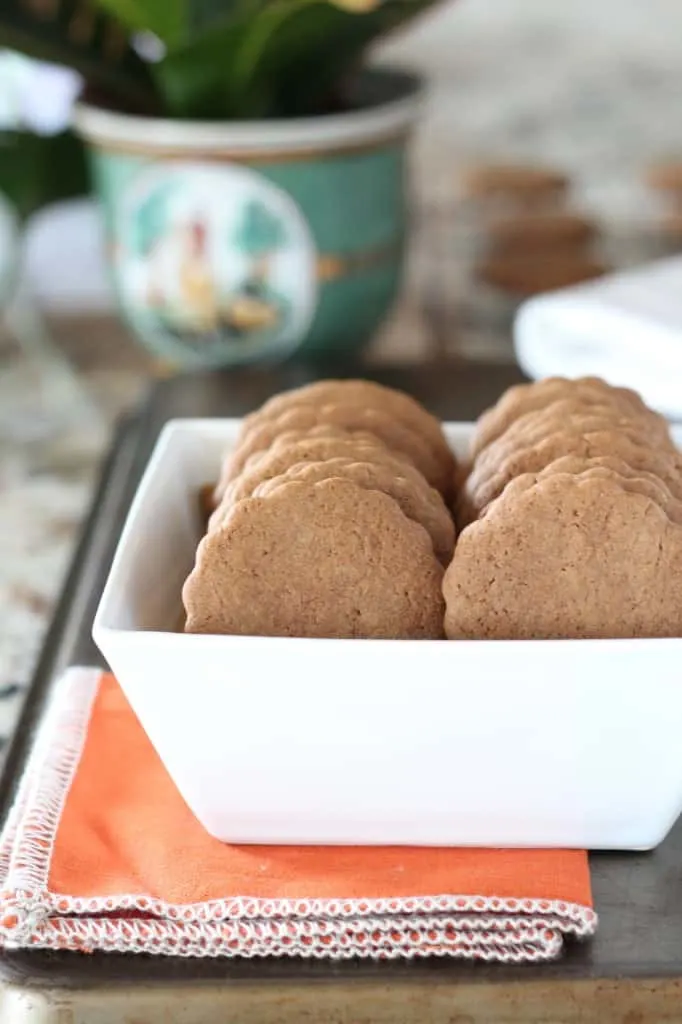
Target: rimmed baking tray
633	965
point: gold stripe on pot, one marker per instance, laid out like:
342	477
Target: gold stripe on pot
162	369
330	267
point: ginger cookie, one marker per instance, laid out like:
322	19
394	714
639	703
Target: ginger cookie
648	483
418	501
535	273
665	464
525	398
670	228
296	448
540	233
526	432
567	416
570	410
329	559
398	404
525	185
326	435
641	483
394	434
566	557
666	178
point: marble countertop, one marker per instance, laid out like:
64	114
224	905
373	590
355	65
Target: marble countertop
593	88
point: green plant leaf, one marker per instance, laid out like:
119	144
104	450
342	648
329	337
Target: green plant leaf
306	54
280	58
38	170
298	51
193	79
204	13
167	19
75	33
225	59
259	33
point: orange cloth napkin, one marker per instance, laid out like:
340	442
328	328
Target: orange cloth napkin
101	852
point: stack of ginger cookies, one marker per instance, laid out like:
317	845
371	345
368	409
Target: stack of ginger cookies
571	519
330	521
335	515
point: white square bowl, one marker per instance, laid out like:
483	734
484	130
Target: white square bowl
281	740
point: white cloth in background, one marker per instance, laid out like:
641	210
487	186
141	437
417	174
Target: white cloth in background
34	95
626	328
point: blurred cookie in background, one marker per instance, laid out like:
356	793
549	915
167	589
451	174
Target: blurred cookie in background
665	178
532	274
671	229
514	187
554	233
665	181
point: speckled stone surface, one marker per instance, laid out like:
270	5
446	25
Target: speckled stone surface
51	440
590	87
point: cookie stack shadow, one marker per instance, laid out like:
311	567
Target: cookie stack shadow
330	519
571	519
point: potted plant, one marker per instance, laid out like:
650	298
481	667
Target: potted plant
251	169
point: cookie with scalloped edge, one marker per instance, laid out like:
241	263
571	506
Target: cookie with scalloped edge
477	493
312	444
572	415
348	416
301	447
560	416
398	404
329	559
418	501
525	398
646	482
569	556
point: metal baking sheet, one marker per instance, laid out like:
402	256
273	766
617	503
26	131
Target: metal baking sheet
638	950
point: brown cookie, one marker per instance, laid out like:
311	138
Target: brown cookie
540	232
671	229
317	560
562	411
397	404
536	273
647	484
394	434
651	484
315	444
527	432
569	416
525	184
566	557
665	464
525	398
297	448
666	177
418	501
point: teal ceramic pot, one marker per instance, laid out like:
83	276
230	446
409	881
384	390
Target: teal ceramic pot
246	241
